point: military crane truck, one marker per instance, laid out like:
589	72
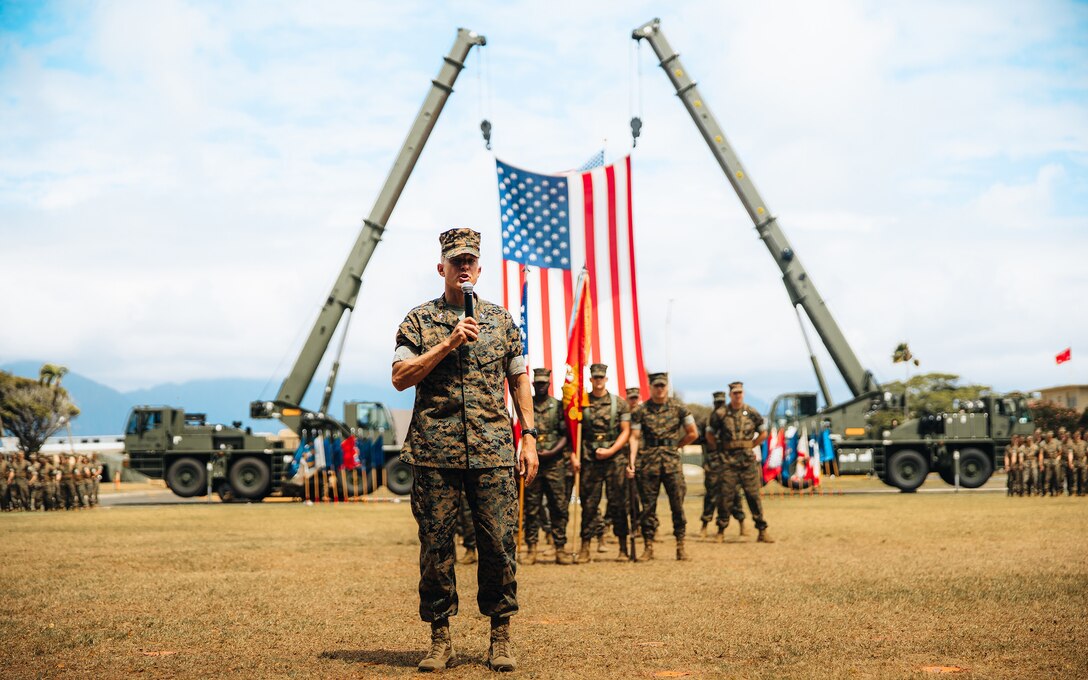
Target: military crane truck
184	450
903	456
194	457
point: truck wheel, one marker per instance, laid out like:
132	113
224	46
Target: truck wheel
187	477
907	470
975	468
398	477
250	477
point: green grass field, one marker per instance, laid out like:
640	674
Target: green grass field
883	585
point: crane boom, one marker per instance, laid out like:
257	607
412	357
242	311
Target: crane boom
799	285
346	289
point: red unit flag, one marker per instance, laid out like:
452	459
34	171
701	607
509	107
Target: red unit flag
1064	356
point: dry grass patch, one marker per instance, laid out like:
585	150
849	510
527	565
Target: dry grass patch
860	586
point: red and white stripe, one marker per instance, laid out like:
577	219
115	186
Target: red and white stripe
602	236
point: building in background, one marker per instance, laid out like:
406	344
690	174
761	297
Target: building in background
1068	396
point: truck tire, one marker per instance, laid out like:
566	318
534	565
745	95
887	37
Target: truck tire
250	478
398	477
907	470
975	468
187	477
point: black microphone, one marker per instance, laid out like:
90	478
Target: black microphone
466	288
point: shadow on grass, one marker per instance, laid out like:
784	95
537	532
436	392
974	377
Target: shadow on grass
377	657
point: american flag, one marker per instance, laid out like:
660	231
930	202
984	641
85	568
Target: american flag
552	225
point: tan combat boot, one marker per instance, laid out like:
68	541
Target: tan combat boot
602	543
563	557
469	557
681	553
743	529
583	551
719	537
624	555
530	554
764	537
647	550
702	532
500	656
441	654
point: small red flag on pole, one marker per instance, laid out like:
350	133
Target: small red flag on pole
1064	356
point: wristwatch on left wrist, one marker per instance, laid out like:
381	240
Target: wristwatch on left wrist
531	430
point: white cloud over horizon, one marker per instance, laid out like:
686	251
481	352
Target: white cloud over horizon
180	181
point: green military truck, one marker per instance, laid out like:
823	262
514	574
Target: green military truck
975	435
193	456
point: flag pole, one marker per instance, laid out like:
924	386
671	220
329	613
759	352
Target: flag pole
578	481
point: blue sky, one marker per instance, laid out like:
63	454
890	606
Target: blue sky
180	181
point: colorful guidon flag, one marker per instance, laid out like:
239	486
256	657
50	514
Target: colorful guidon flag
1064	356
554	224
575	396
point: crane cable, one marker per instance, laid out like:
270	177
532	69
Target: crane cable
634	90
483	100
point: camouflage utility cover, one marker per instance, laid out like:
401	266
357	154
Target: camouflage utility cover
459	419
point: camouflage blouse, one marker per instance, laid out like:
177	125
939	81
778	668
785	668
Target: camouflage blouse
599	428
548	418
660	424
460	419
736	428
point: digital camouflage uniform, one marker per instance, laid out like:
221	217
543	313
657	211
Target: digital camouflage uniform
460	441
550	485
37	489
1029	468
1052	465
1068	478
52	487
68	485
4	469
601	420
1080	464
738	429
658	462
19	488
713	467
465	527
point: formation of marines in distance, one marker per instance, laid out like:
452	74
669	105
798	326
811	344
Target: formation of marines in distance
48	482
1042	464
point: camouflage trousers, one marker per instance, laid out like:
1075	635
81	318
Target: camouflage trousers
657	467
492	497
740	472
465	528
548	489
599	476
713	464
69	492
1080	478
1052	477
1027	479
19	490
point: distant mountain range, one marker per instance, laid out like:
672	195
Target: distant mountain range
103	409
